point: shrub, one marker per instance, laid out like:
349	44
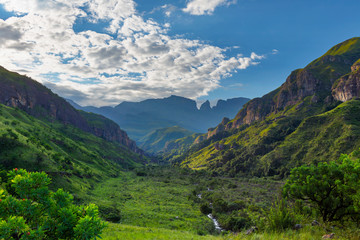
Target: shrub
280	216
205	208
332	188
29	210
233	222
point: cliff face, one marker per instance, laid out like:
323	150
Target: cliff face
35	99
301	122
348	86
142	118
317	80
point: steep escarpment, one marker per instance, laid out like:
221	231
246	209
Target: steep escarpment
303	121
348	86
316	80
30	96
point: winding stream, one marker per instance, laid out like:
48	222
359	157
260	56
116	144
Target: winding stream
216	223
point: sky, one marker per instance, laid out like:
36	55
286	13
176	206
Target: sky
103	52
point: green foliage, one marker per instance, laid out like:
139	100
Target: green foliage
281	142
205	208
156	140
29	210
294	126
280	216
333	188
75	160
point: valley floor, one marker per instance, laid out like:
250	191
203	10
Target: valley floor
121	231
159	203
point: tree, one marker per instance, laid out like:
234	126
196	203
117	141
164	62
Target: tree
333	188
29	210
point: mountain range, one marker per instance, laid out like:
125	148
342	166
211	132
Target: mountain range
141	118
312	117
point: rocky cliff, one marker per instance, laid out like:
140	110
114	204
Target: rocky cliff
30	96
301	122
348	86
332	76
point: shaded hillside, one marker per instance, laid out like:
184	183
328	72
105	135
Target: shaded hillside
70	155
140	118
291	125
158	139
35	99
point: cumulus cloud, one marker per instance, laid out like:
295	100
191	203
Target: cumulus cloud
131	59
205	7
8	33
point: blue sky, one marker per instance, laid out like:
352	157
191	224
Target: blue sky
99	52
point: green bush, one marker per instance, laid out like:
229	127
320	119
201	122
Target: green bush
233	222
280	217
29	210
332	188
112	213
205	208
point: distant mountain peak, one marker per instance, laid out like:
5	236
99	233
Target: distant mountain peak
141	118
205	106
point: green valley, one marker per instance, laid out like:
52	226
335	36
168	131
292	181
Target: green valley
250	177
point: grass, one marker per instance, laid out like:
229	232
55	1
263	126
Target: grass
159	199
308	232
282	141
76	160
161	202
121	231
156	140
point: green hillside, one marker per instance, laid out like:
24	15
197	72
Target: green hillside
300	122
75	159
157	140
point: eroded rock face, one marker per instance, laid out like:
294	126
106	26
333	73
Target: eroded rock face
37	100
348	86
315	80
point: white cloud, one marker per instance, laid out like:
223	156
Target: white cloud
205	7
133	59
275	51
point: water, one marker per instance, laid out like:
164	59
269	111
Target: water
216	223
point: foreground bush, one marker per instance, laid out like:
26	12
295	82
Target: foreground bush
29	210
332	188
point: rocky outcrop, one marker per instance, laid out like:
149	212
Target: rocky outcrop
30	96
315	80
348	86
221	127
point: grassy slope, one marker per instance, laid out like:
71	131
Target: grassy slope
284	139
321	137
155	141
76	160
267	148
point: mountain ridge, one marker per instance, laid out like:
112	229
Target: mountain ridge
268	137
22	92
141	118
